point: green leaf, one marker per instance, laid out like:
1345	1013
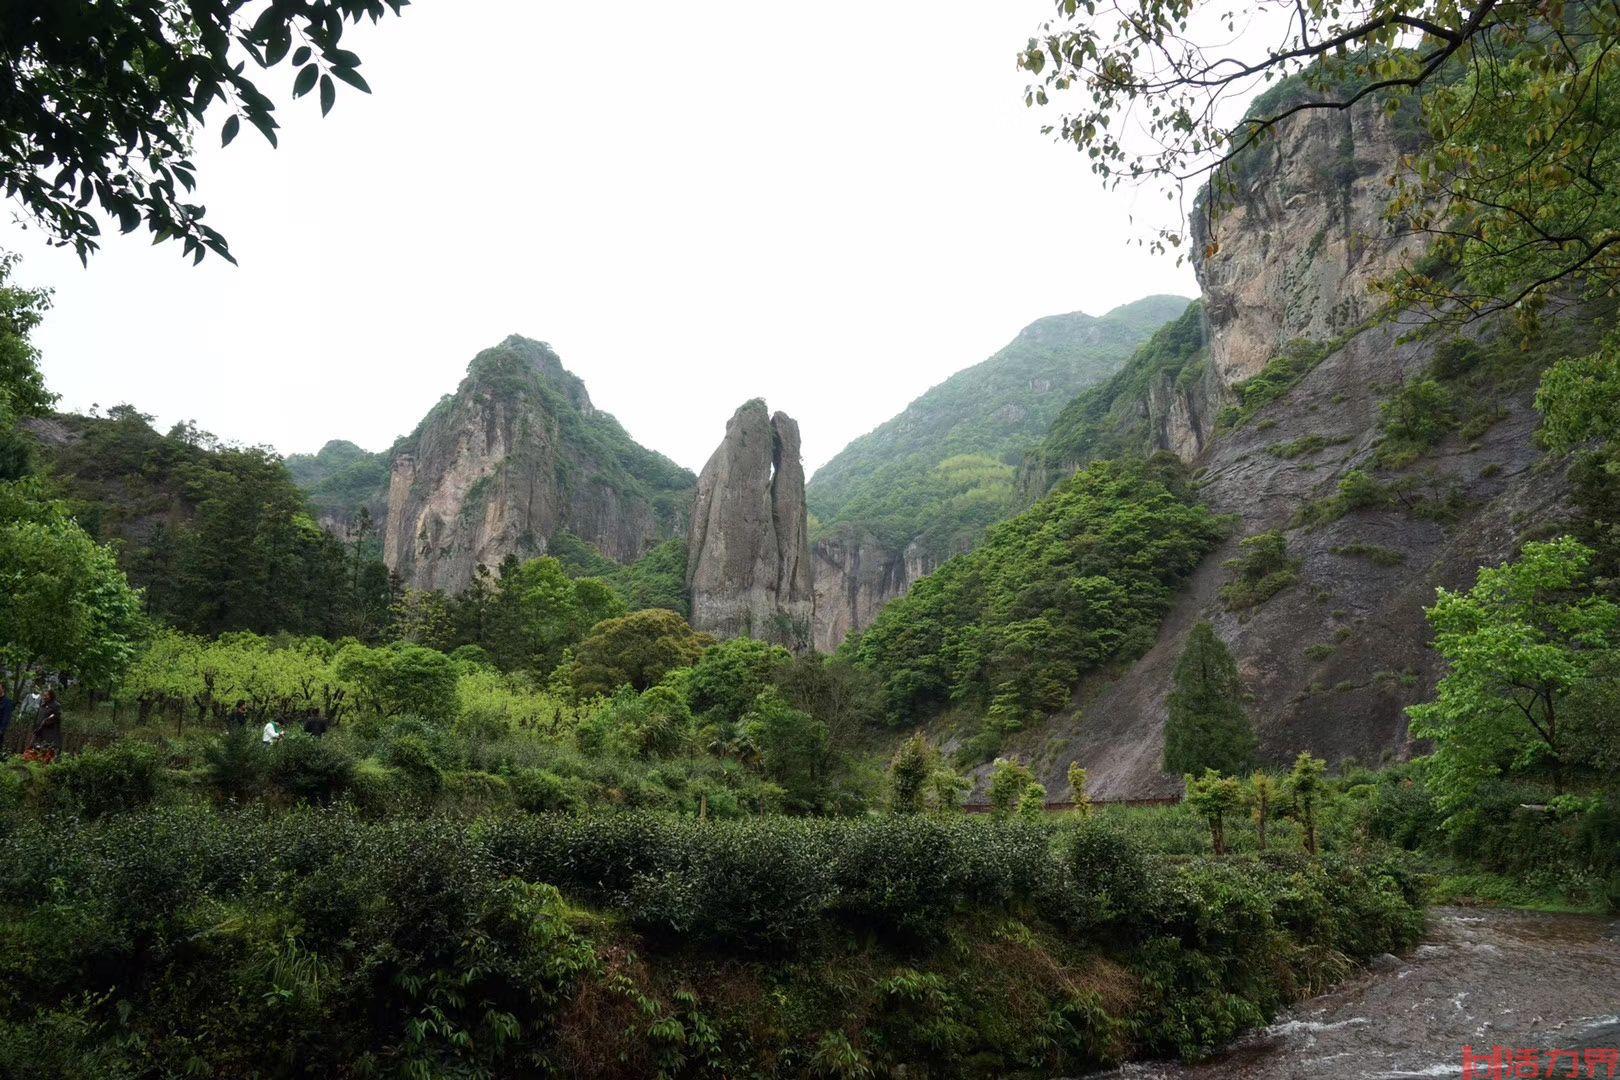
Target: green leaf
301	57
306	80
352	77
328	94
232	126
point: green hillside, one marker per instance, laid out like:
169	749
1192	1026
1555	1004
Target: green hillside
1107	419
943	469
340	478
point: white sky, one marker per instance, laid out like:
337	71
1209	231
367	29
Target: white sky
833	206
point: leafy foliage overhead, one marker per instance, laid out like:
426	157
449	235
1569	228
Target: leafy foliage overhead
100	101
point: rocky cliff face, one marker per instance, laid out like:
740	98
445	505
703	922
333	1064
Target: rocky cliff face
517	453
855	576
1332	661
1289	256
748	556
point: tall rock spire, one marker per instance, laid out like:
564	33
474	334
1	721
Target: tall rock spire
748	561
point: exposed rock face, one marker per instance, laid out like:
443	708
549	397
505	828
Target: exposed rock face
517	454
748	556
1294	255
855	577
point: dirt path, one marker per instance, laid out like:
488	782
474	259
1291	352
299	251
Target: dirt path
1481	978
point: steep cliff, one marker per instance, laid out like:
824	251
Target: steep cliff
515	455
855	576
749	569
925	485
1288	402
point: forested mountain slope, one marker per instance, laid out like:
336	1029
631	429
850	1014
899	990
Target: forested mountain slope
217	535
341	478
926	484
888	481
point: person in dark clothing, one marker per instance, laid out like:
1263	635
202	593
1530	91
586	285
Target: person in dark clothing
5	715
315	724
237	720
49	732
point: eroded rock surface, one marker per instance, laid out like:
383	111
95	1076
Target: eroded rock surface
515	455
748	556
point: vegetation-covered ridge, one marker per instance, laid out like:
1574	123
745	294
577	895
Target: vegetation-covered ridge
942	471
1077	581
340	478
1110	419
218	536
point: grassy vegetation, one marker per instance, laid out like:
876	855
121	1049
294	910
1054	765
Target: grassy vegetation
1378	556
1302	447
1281	373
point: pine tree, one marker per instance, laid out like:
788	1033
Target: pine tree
1207	728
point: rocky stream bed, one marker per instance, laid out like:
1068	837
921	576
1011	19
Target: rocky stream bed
1481	978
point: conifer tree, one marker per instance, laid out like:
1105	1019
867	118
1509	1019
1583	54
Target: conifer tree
1207	728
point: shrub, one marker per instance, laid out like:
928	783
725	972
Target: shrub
1378	556
125	776
1109	871
310	770
1281	373
540	791
1261	571
412	756
236	765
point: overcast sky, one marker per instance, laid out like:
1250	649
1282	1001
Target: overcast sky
833	206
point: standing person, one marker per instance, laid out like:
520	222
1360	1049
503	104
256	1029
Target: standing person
48	735
272	733
237	719
31	702
5	715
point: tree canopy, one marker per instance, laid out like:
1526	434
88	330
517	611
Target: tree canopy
1207	726
100	101
1076	581
1527	636
64	604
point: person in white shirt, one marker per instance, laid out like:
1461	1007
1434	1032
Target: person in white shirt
272	732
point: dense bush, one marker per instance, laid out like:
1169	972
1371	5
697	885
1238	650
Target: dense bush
316	942
311	770
125	776
1262	570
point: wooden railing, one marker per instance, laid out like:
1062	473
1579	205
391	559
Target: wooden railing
1059	807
